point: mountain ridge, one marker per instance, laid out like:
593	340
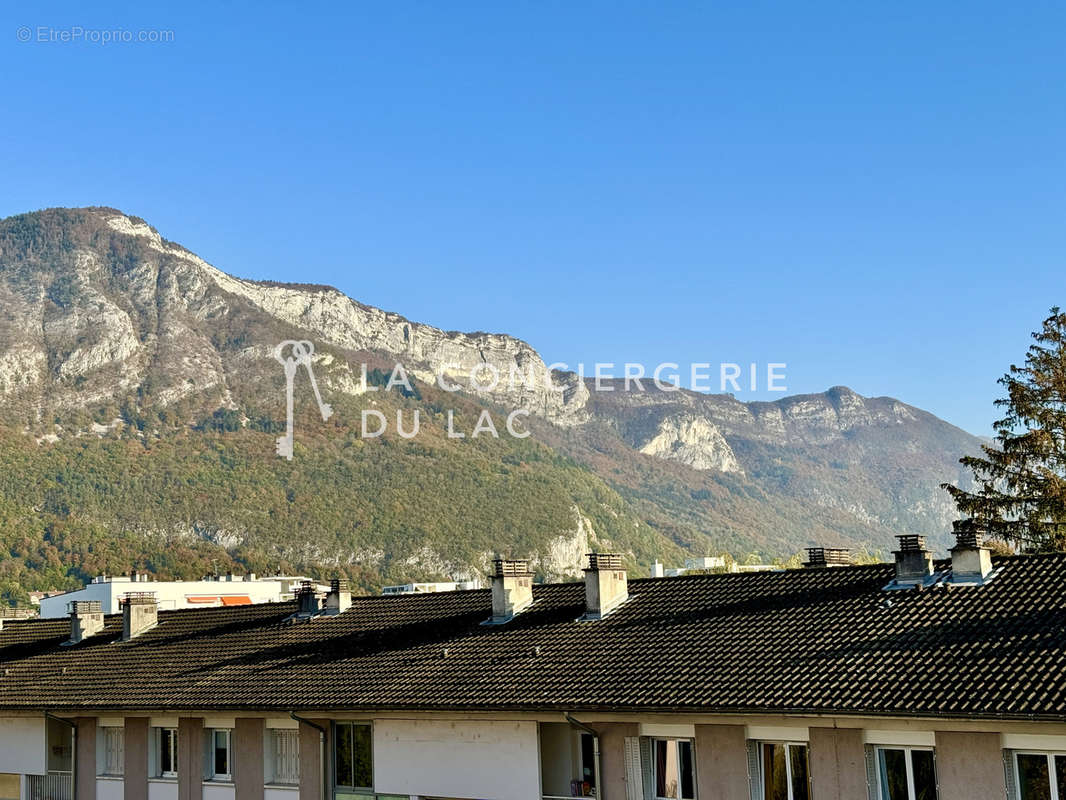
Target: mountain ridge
110	331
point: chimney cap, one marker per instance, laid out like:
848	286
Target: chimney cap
511	567
910	542
601	561
969	540
138	599
828	556
339	585
85	607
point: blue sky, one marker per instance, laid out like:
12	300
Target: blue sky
874	196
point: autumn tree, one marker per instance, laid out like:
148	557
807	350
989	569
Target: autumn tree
1019	494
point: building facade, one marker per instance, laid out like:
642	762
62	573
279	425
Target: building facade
222	590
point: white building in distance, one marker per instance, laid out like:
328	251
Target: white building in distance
222	590
708	563
429	588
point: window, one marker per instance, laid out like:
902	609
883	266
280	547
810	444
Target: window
284	758
352	756
60	746
588	761
674	775
112	751
1041	776
217	754
784	771
906	773
166	753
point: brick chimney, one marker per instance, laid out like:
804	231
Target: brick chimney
339	598
86	619
914	563
512	589
819	557
970	559
140	612
606	587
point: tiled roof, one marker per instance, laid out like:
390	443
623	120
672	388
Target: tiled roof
821	641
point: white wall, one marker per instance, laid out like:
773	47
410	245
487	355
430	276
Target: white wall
23	745
162	789
109	789
218	791
461	759
277	793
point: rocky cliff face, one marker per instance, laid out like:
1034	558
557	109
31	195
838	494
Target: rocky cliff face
84	315
693	441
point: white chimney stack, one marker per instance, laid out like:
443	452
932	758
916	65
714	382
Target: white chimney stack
606	586
86	619
512	589
971	561
339	598
140	613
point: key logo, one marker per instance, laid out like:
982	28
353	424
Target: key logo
299	352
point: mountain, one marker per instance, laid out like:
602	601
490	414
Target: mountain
142	401
834	468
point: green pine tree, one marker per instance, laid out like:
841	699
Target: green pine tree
1020	492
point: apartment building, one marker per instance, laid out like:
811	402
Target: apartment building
217	590
429	587
708	563
913	680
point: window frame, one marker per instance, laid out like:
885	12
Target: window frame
675	742
163	736
211	754
908	761
344	788
59	747
107	735
1053	784
788	745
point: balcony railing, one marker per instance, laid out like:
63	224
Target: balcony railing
53	786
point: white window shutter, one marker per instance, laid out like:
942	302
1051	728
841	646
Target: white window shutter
872	789
647	765
634	779
754	773
1010	774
